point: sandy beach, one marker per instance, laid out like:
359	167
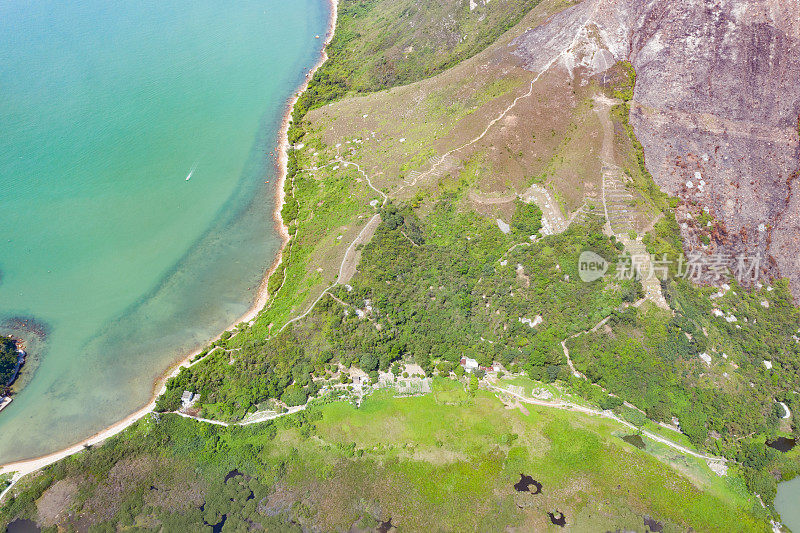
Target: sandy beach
24	467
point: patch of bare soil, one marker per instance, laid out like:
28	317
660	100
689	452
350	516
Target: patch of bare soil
522	276
439	456
55	502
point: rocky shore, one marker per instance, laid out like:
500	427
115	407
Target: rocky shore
11	352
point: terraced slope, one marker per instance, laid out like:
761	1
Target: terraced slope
717	99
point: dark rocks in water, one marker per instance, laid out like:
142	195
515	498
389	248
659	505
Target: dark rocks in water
23	525
654	525
782	444
385	527
23	324
18	337
524	484
634	440
558	518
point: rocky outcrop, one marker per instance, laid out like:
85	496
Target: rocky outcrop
717	99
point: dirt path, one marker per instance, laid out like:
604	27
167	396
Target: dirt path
255	418
553	220
347	267
568	406
620	211
603	105
566	350
352	256
439	161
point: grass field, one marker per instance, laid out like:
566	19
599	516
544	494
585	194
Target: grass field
447	461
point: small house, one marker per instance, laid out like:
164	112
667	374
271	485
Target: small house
187	398
469	364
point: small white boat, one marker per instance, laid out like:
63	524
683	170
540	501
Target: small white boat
191	172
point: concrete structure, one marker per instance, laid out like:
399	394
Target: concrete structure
187	398
469	364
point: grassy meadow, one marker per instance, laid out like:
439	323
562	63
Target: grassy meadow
446	461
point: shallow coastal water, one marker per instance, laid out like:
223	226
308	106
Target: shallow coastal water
103	242
786	503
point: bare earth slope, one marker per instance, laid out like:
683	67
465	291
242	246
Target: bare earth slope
717	93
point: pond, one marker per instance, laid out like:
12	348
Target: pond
234	474
524	484
782	444
217	528
385	527
558	518
23	526
654	525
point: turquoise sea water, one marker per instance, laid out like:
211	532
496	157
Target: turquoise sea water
105	108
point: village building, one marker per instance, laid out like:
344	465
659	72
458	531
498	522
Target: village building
187	398
469	364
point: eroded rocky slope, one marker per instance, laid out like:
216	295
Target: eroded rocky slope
716	107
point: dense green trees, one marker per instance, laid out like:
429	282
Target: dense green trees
8	361
527	219
367	54
428	291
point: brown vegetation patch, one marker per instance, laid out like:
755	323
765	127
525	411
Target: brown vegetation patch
404	132
280	500
175	489
55	502
172	486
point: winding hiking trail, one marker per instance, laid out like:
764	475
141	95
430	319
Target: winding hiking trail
254	418
562	54
566	350
569	406
347	267
618	212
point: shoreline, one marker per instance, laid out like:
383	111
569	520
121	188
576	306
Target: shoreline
19	345
28	466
